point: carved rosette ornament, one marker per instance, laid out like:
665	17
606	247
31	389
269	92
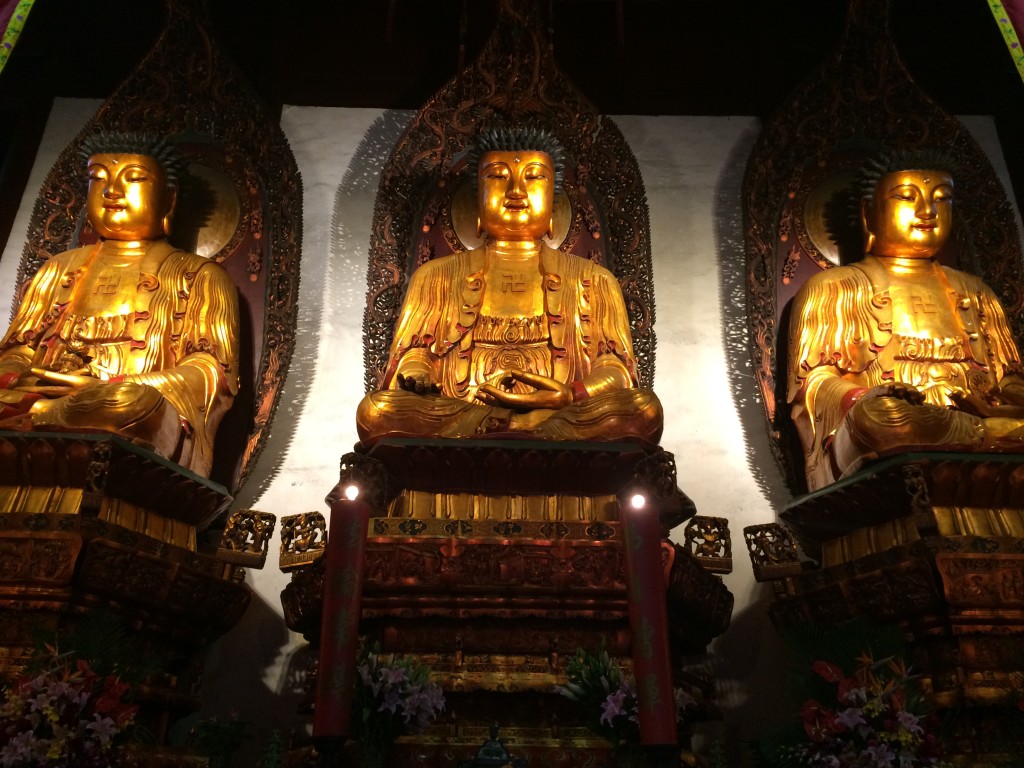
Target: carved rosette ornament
861	99
241	205
425	206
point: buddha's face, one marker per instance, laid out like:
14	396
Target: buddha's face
517	192
911	215
128	198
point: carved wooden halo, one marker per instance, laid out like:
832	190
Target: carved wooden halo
186	90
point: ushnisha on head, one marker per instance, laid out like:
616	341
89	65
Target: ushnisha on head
906	203
133	184
518	173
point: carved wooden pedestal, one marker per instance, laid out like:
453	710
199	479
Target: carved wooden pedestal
482	563
93	522
933	543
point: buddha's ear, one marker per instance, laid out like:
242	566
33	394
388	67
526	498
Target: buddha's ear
169	213
869	236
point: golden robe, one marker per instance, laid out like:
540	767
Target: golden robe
584	326
169	358
856	327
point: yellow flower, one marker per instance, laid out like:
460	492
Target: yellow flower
56	749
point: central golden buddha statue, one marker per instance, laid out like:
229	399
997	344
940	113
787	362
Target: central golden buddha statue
129	336
514	337
896	352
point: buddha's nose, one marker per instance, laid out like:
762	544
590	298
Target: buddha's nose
113	189
925	208
517	188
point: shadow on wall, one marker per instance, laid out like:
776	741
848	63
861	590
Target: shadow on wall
729	247
753	671
751	655
333	290
350	234
245	655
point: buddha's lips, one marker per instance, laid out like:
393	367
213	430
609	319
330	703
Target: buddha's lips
928	227
114	206
516	205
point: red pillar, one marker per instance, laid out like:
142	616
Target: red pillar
339	625
648	621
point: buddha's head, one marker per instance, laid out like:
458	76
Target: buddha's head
518	173
133	185
906	206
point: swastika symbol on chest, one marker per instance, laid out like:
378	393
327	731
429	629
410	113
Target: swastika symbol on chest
513	282
106	285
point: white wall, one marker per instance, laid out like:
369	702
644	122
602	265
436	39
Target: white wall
692	168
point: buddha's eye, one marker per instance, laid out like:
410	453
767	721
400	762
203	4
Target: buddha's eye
135	178
97	174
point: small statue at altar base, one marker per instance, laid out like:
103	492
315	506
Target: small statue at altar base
512	338
493	754
129	336
896	352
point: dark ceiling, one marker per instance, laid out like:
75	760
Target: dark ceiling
678	57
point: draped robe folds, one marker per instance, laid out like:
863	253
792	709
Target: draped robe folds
168	363
440	327
844	339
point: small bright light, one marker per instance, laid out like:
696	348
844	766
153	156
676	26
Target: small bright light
638	501
352	492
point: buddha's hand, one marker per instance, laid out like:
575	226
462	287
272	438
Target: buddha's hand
899	390
548	393
418	382
995	404
54	384
1011	390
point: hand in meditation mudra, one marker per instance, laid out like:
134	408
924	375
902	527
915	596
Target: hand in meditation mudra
129	336
514	337
896	352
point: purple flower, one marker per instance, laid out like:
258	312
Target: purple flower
20	748
683	699
103	727
41	701
855	696
612	707
364	673
850	717
391	701
880	755
393	675
909	722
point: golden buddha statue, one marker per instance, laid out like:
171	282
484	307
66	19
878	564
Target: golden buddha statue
513	337
896	352
130	335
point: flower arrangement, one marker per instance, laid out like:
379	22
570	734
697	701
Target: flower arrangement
66	716
608	697
393	697
871	724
